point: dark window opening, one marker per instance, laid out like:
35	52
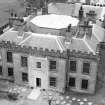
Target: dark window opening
1	70
10	71
84	84
72	81
38	64
73	66
53	81
52	65
9	57
24	77
86	68
38	82
24	61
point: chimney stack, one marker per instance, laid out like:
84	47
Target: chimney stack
35	11
44	10
69	27
81	13
28	9
91	16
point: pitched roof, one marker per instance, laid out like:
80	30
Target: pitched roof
80	44
54	21
73	9
100	11
96	38
61	8
88	44
45	42
12	36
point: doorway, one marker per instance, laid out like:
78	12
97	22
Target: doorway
38	82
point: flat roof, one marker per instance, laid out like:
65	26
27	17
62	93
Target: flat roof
54	21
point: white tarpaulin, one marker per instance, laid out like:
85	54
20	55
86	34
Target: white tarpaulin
34	94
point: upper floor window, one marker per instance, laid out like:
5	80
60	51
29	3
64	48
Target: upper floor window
52	65
53	81
9	57
86	68
38	64
73	66
24	61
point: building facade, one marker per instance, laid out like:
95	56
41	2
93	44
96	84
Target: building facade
61	57
49	70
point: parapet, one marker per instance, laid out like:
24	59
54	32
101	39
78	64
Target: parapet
11	46
98	5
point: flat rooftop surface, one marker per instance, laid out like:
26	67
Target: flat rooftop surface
54	21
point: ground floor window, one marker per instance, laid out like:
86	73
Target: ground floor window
10	71
72	81
25	77
84	84
1	70
52	81
38	82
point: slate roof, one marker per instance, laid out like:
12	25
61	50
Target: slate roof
73	9
61	8
97	37
12	36
45	41
80	44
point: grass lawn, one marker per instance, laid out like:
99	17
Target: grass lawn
5	5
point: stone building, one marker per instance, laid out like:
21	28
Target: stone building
61	57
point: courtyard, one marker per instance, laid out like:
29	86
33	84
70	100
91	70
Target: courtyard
42	99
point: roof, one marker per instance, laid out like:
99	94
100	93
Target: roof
97	37
45	42
73	9
88	44
61	8
80	44
54	21
100	11
12	36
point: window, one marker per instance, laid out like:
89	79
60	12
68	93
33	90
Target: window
24	77
86	68
84	84
23	61
73	66
53	81
52	65
10	71
1	70
38	64
38	82
72	81
9	57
